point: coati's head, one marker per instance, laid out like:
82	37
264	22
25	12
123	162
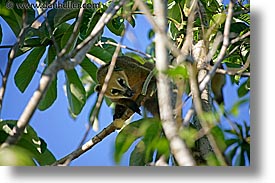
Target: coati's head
118	86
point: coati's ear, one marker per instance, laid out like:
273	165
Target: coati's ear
97	88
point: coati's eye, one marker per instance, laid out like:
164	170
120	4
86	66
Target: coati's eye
115	91
121	82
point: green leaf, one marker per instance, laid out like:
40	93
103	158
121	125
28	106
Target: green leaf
116	26
211	7
215	23
151	34
76	93
150	49
125	138
137	57
179	70
13	16
46	157
219	138
29	141
132	21
26	71
238	27
244	88
15	156
138	155
59	16
89	67
49	97
174	11
60	31
89	21
148	128
245	18
212	160
51	93
175	18
232	152
66	36
240	161
163	147
231	141
104	52
235	108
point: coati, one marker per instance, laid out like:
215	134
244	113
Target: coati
126	85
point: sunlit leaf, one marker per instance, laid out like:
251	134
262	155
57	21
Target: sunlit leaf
15	156
179	70
136	57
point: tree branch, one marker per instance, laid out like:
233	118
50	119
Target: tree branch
196	89
178	147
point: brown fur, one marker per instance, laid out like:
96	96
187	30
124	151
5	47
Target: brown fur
134	74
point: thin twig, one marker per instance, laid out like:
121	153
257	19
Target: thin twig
95	59
125	47
240	37
75	32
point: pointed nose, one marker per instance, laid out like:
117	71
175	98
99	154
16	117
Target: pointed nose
129	93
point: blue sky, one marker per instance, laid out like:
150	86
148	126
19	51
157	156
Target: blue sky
57	128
